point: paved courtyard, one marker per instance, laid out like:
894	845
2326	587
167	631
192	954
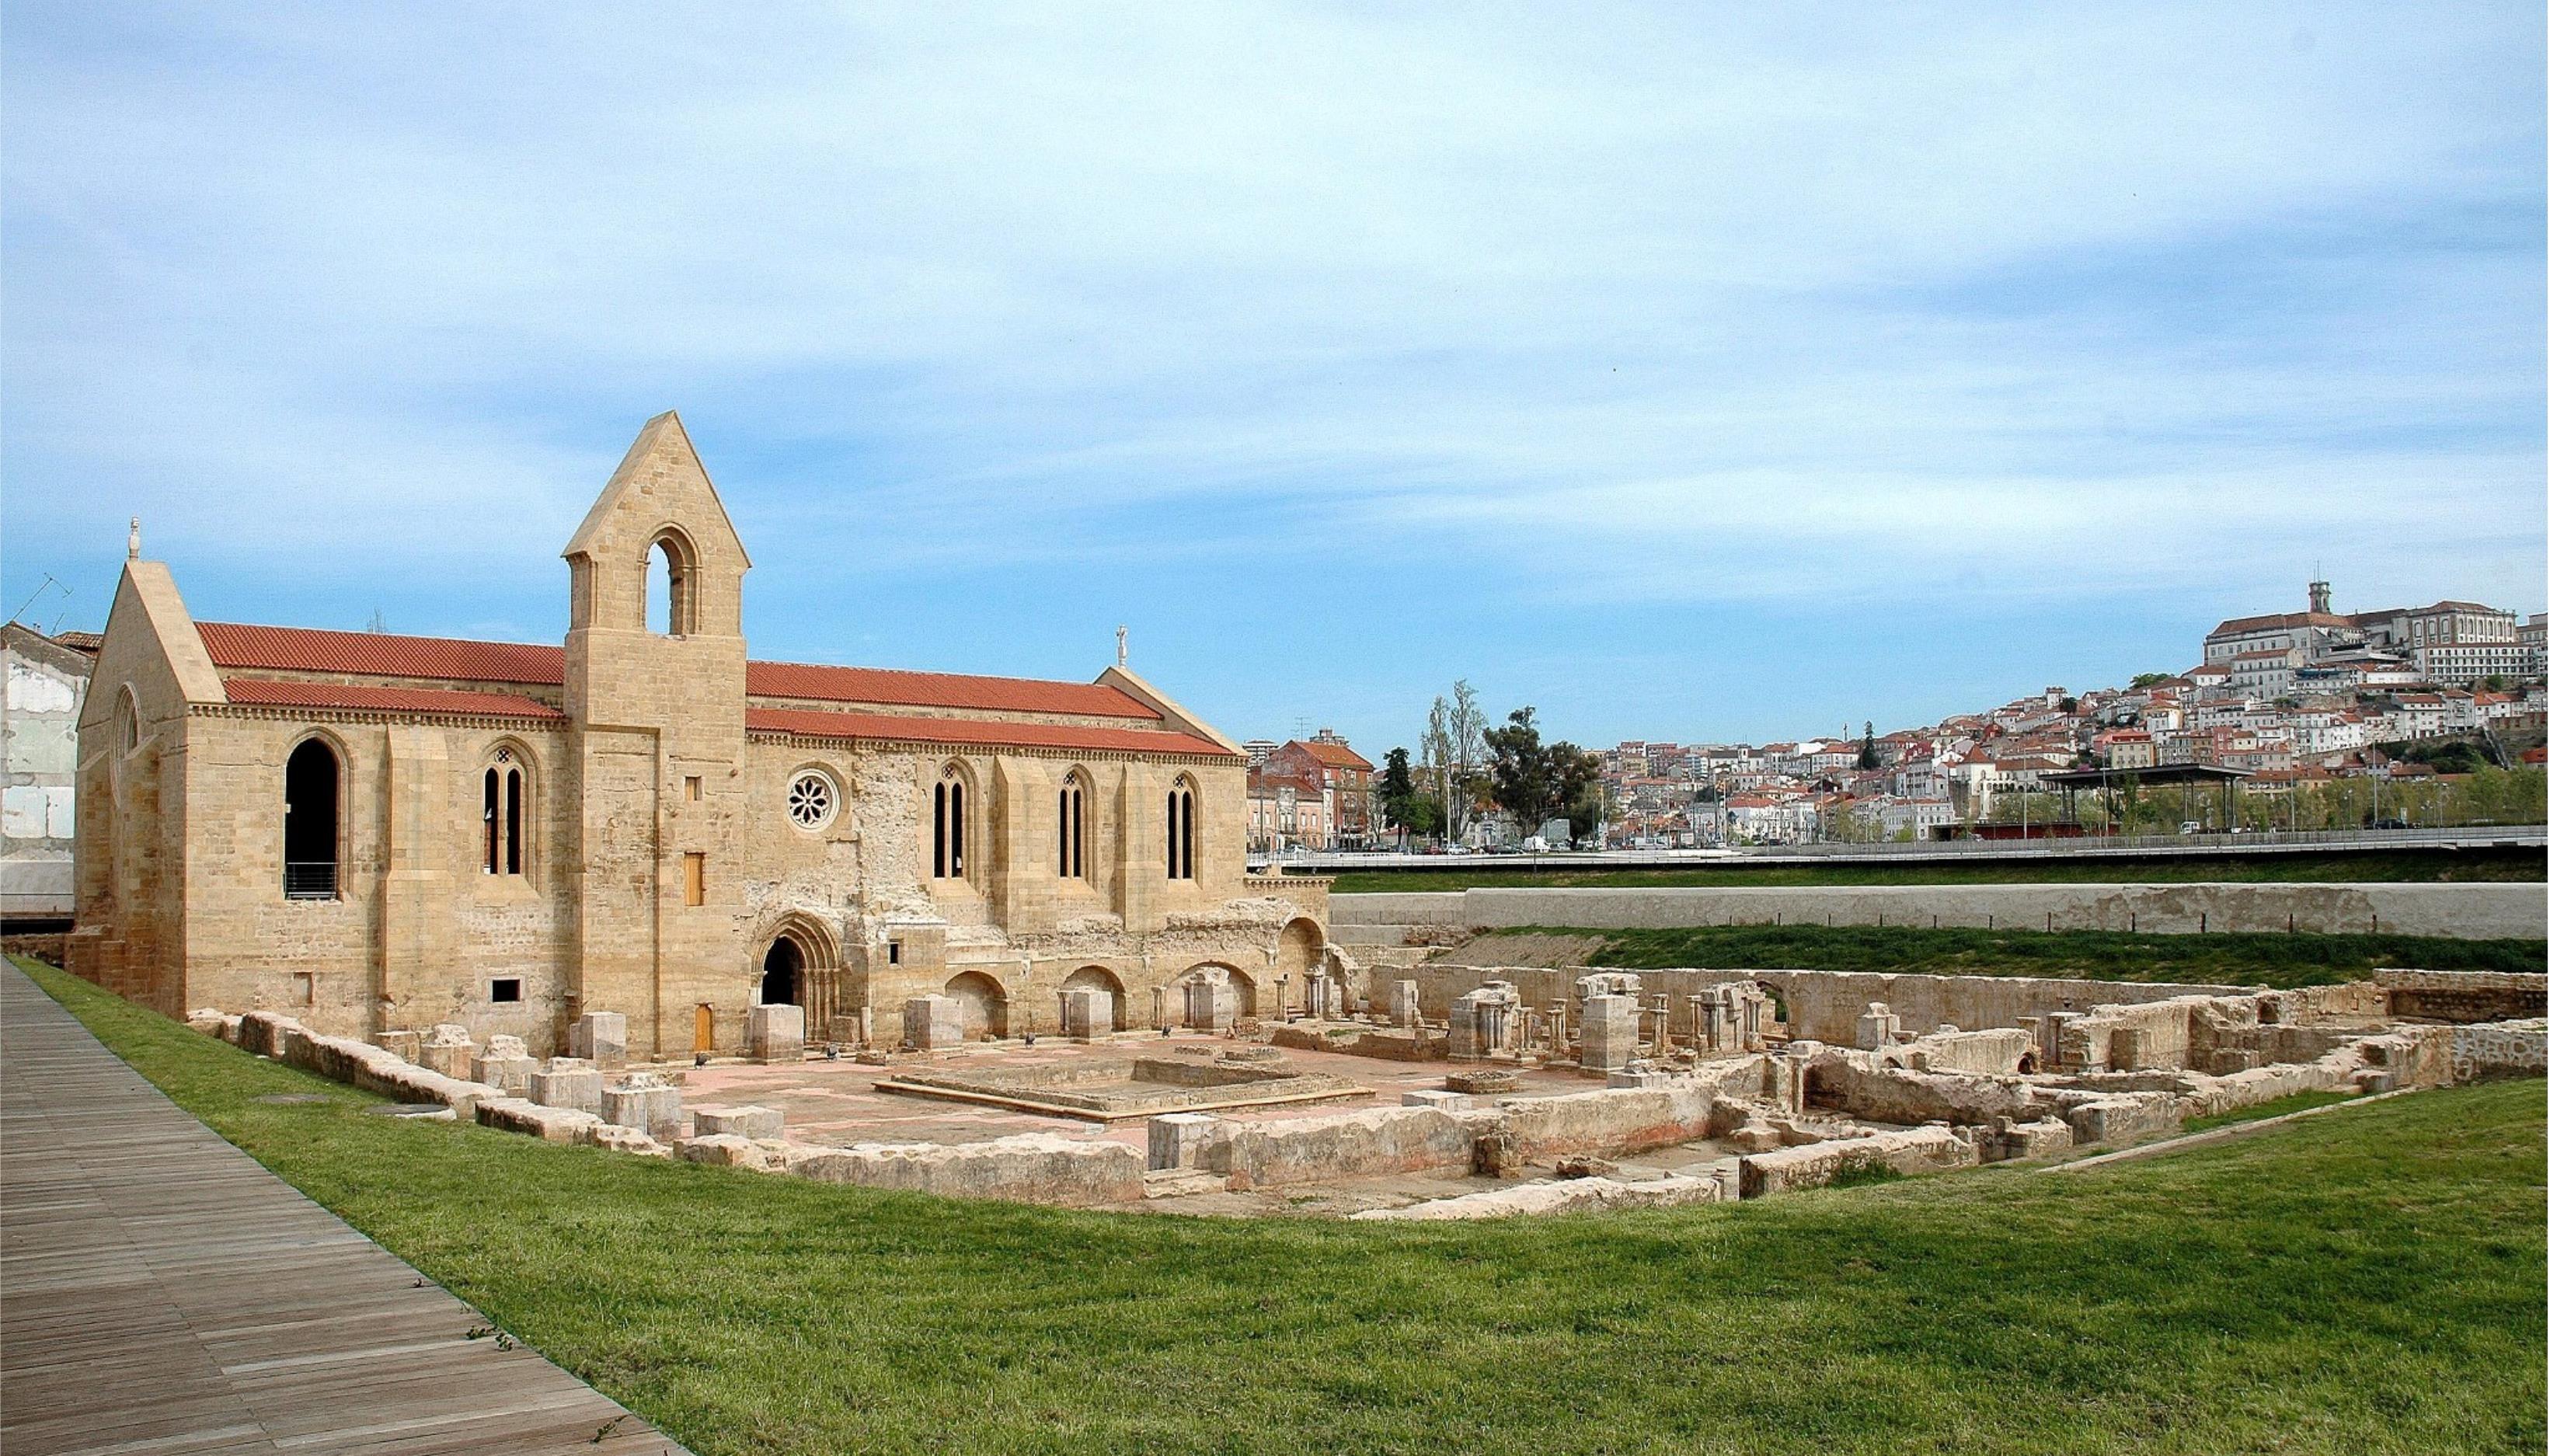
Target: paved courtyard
837	1102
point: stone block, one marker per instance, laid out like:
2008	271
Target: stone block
622	1140
1345	1145
775	1033
567	1082
261	1034
1484	1082
549	1124
1640	1077
934	1022
1403	1003
448	1050
504	1063
1815	1164
1034	1167
1446	1102
731	1150
647	1102
1577	1194
1879	1027
2007	1140
512	1072
405	1045
1088	1012
1609	1034
600	1037
760	1123
1175	1136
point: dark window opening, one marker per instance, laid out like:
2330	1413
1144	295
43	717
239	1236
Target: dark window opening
939	834
504	988
948	830
309	823
669	604
512	821
894	952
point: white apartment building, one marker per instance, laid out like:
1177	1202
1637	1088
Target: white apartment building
2462	664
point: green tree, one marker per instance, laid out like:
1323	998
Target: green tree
1455	746
2146	679
1398	788
1867	745
1538	782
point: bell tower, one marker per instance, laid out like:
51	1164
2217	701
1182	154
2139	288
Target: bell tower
654	702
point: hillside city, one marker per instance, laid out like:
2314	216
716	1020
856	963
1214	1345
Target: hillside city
2309	720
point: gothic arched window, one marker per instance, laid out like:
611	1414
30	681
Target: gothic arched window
1070	828
948	827
1181	829
503	809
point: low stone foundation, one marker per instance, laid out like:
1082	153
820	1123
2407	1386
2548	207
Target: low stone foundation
1037	1167
1815	1164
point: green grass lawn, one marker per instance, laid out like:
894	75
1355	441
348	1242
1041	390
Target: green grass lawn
2106	955
2370	1281
1503	872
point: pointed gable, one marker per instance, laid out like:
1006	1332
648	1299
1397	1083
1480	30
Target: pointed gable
660	482
659	497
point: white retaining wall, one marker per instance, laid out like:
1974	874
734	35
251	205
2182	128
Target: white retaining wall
2477	911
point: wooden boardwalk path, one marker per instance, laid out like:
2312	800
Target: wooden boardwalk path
162	1294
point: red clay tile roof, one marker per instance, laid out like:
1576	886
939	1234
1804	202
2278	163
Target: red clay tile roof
1334	755
388	655
883	726
940	690
268	693
379	655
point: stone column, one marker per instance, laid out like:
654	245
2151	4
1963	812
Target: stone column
1611	1033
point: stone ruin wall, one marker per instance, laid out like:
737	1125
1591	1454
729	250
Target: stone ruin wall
1823	1006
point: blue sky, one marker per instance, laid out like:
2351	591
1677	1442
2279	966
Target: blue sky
1695	373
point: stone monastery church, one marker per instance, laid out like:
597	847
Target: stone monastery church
379	833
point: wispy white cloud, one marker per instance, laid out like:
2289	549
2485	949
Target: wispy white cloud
1715	305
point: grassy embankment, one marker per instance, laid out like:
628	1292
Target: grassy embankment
2389	866
2365	1282
2283	960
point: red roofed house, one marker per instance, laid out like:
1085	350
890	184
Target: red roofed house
380	834
1344	778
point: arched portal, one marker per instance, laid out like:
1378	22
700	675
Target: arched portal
984	1005
1099	978
1301	949
783	968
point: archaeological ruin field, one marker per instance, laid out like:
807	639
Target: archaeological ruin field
2364	1278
